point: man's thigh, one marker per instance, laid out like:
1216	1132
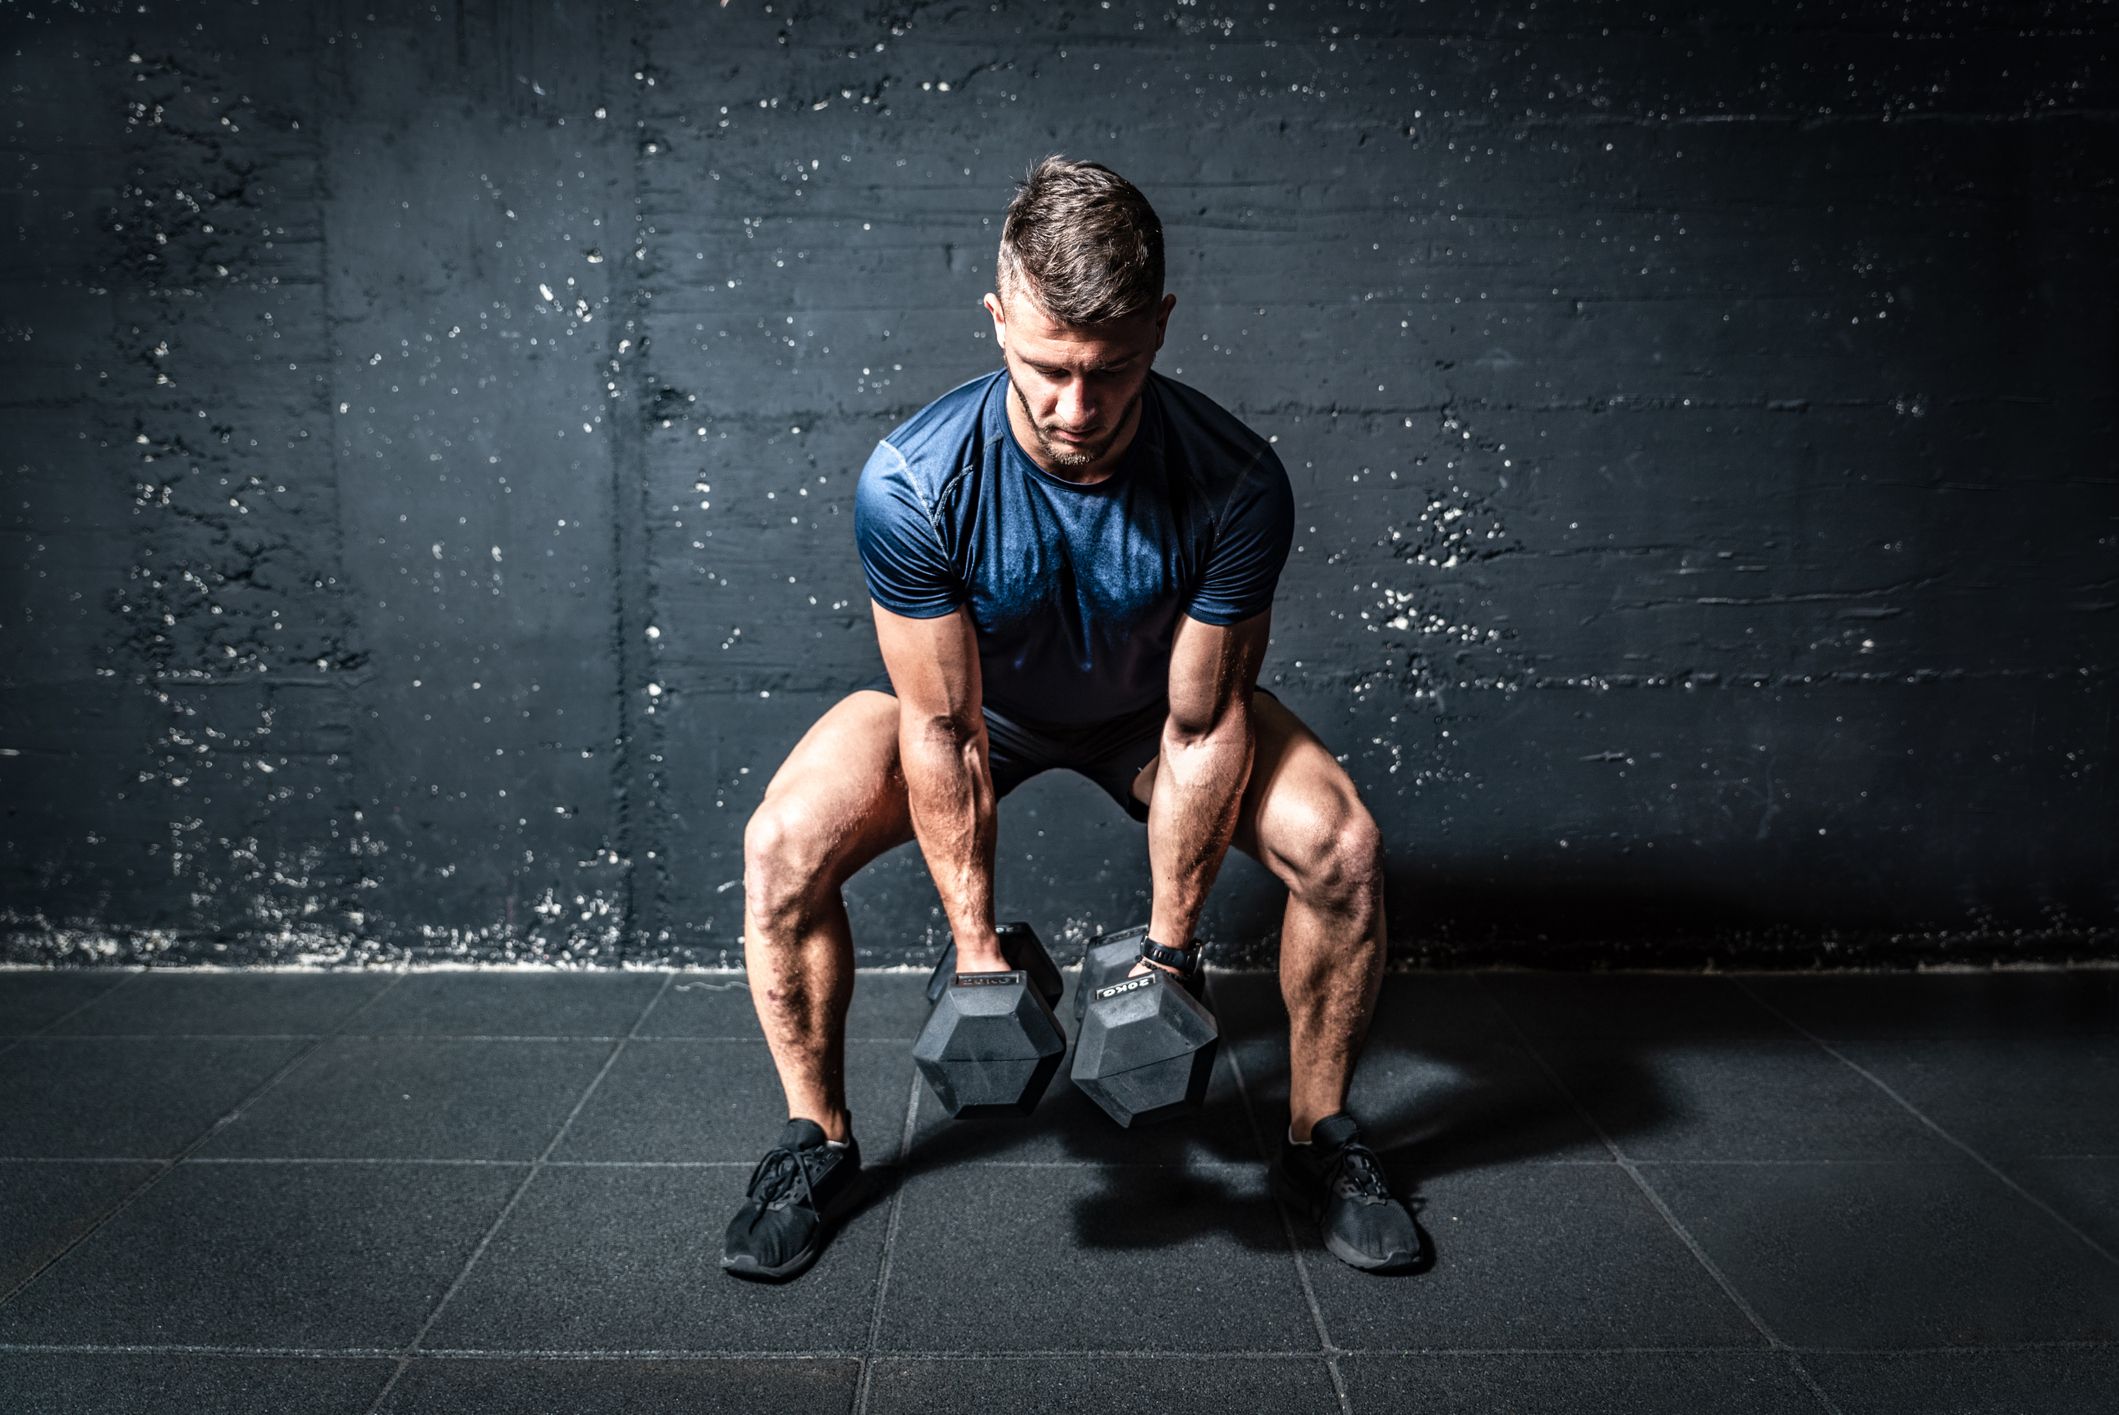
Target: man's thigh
841	790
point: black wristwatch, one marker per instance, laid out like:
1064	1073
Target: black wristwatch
1185	960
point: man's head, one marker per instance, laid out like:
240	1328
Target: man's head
1079	309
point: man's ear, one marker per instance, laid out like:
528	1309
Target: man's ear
993	306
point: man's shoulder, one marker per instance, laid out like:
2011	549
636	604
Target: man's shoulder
1219	444
932	443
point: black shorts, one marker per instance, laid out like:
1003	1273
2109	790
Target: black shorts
1110	753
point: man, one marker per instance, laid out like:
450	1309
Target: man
1072	562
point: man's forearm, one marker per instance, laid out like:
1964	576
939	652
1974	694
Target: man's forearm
1192	816
949	789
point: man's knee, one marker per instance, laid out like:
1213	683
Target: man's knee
1343	868
782	871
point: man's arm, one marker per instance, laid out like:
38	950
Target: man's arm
1207	747
942	749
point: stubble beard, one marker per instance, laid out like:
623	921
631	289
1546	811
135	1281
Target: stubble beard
1066	454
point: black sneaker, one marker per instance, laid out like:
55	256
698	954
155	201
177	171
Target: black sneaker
1336	1180
795	1191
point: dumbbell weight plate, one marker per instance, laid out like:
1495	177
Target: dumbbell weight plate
1145	1048
991	1043
990	1046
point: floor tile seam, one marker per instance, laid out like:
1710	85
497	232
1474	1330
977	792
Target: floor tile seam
918	1354
1639	1038
1981	1160
1183	1166
1999	1348
1356	1354
1340	1392
1699	1255
412	1348
1648	1192
1117	1353
492	1162
616	1353
410	1161
84	1159
345	1036
415	1161
393	1353
1969	1034
178	1348
596	1081
168	1166
1383	1353
1287	1229
717	1038
16	1039
1810	1382
1611	1039
863	1383
1929	1160
669	976
1237	1166
910	1354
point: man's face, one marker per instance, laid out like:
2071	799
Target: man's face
1076	385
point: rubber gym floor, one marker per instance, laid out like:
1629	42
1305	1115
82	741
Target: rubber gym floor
504	1191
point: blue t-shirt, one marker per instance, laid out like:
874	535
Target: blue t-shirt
1074	590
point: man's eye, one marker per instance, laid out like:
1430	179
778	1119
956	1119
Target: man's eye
1058	375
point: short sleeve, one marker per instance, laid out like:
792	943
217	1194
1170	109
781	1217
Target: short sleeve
901	555
1251	544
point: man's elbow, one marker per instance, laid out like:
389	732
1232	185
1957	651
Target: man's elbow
940	729
1205	729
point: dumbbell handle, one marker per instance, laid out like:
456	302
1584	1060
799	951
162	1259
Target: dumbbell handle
1021	952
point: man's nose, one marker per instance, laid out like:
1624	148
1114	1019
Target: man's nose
1077	410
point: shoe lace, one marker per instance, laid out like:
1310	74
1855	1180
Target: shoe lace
774	1182
1359	1176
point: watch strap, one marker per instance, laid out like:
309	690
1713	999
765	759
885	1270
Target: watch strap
1185	960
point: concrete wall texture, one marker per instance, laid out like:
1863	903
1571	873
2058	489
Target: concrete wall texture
430	434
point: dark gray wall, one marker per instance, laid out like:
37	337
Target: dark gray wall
430	432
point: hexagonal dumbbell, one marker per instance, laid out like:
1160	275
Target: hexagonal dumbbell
1146	1045
992	1043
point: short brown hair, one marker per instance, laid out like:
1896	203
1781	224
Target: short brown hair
1081	241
